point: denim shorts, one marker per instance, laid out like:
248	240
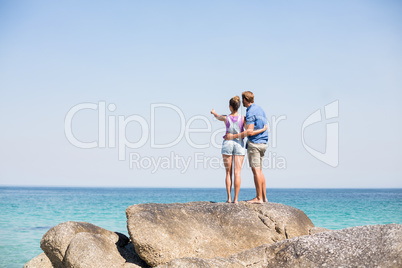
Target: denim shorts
233	147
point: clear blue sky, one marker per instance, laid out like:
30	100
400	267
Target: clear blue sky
296	56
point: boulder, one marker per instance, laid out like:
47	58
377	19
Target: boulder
40	261
81	244
364	246
94	250
55	242
164	232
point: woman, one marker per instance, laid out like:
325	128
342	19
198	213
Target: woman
233	151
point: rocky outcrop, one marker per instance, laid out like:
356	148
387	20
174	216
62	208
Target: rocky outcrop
40	261
364	246
205	234
93	250
81	244
56	241
163	232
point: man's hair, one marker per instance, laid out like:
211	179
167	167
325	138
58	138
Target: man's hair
248	95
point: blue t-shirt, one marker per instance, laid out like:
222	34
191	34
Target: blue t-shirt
256	115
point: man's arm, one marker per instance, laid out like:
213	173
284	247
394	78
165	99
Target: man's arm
248	132
258	131
245	133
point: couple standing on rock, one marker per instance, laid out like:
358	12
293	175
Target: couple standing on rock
254	126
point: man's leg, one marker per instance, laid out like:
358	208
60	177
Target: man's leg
256	162
262	148
258	181
256	184
253	159
256	188
264	188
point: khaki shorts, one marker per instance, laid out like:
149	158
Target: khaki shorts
255	153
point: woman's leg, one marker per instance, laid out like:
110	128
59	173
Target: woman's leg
238	162
227	160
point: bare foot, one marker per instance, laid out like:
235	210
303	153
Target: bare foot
228	201
266	201
257	201
235	201
254	199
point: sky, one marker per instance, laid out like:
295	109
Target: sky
119	94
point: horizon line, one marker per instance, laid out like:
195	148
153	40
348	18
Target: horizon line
184	187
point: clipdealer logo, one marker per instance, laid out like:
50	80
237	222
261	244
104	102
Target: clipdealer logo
331	154
110	124
112	133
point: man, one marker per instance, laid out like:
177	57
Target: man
256	145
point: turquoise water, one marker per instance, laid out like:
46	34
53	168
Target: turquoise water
27	213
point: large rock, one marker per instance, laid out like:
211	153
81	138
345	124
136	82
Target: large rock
81	244
364	246
55	242
94	250
163	232
40	261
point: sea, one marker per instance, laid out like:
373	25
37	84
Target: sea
27	213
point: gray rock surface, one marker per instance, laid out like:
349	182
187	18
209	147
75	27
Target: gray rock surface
316	230
164	232
81	244
364	246
40	261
